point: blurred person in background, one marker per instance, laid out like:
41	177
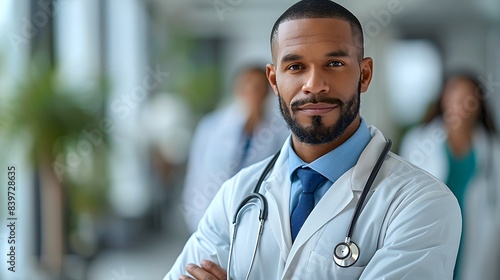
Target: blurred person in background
228	139
458	144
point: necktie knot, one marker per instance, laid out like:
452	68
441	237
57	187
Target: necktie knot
310	180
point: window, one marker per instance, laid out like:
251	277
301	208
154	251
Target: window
414	72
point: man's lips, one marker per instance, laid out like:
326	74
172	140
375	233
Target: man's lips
317	108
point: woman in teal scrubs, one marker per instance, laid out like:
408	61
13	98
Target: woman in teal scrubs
458	144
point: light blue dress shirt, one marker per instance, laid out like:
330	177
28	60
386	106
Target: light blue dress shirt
331	165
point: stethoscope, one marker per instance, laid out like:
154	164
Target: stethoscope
345	253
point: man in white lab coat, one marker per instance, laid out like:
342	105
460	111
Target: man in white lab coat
410	223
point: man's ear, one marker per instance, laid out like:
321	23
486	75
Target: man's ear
271	77
366	66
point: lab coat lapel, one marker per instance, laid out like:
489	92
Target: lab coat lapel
277	192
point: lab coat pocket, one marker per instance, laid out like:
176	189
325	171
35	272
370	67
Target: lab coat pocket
325	268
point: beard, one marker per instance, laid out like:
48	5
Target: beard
318	133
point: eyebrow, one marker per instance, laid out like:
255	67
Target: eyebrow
295	57
339	53
291	57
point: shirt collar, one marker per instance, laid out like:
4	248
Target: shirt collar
336	162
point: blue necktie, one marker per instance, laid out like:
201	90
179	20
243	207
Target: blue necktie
310	180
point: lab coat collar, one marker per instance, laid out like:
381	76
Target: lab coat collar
359	173
367	160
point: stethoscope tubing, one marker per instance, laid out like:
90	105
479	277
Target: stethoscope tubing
262	217
266	171
368	186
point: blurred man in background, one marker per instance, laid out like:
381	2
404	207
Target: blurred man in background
226	140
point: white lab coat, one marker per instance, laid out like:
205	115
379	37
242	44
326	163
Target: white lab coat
408	229
216	151
424	146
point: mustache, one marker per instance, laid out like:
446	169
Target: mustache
315	99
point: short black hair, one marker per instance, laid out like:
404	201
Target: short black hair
306	9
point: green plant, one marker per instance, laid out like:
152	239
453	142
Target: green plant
53	118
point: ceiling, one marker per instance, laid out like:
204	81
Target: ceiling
232	17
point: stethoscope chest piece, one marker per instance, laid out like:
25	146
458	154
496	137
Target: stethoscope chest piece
346	254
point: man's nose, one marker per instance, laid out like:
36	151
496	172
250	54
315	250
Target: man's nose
315	82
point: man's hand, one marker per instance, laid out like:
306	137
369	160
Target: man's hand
208	271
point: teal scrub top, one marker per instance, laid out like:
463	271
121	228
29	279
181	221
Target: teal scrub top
461	171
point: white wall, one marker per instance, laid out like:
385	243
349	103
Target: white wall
493	67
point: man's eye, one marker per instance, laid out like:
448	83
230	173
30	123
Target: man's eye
335	63
294	67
